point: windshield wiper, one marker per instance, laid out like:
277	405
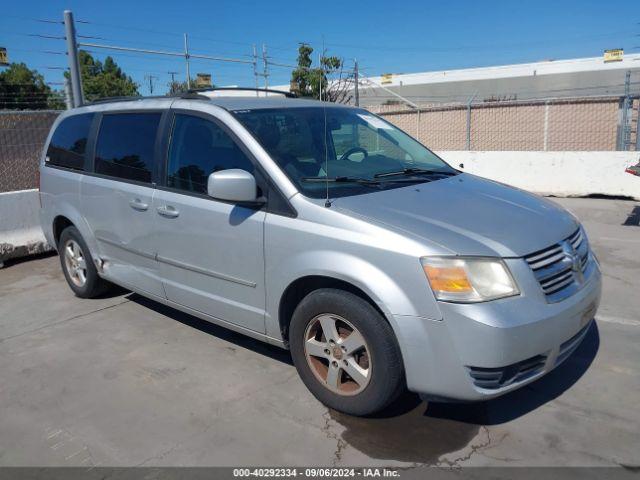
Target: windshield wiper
412	171
362	181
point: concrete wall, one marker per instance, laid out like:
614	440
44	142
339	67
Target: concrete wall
563	174
20	232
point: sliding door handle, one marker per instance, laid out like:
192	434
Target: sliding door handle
168	211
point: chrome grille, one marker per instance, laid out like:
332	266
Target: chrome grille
560	268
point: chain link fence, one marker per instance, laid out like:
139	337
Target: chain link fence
22	137
574	124
567	124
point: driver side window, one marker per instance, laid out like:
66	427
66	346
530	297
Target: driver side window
198	148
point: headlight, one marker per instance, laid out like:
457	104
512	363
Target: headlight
469	279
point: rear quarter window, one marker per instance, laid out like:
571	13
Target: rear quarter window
69	142
126	145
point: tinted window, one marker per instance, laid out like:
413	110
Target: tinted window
198	148
126	143
69	142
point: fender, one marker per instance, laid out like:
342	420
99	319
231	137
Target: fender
386	291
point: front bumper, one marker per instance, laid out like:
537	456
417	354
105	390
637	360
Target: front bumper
477	350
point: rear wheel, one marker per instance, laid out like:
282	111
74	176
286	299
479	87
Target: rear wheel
346	352
77	265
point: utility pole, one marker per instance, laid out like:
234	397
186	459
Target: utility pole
266	67
186	58
68	98
72	55
173	76
356	80
255	67
150	78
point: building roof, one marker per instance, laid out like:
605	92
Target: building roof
546	79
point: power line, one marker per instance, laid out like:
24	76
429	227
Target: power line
51	52
51	37
161	52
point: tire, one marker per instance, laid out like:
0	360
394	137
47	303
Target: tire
88	285
377	369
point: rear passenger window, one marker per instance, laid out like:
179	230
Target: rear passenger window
198	148
69	142
126	145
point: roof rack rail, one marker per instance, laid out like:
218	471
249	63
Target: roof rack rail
191	94
125	99
243	89
112	99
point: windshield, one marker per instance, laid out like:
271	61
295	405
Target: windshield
363	151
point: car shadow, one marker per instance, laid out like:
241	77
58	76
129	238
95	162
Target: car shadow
633	219
214	330
528	398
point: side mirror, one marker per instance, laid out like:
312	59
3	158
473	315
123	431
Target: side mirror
233	185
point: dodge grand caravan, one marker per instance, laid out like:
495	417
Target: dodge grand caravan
323	229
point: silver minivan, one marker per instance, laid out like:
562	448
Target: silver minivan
323	229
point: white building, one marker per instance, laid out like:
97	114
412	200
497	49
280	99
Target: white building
547	79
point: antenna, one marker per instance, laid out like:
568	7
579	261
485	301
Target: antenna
327	202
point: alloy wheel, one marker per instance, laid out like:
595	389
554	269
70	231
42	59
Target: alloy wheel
337	354
75	263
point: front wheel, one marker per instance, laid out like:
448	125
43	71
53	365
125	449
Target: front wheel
345	352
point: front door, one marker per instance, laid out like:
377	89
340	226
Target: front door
210	253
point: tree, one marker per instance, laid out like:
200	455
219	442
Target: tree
101	80
309	81
176	87
24	89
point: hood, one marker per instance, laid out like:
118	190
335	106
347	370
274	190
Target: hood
466	215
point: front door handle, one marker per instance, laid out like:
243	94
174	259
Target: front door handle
139	205
168	211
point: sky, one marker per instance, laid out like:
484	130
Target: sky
399	36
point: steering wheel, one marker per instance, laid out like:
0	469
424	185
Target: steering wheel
353	150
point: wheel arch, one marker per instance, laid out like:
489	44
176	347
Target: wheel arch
60	222
303	286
